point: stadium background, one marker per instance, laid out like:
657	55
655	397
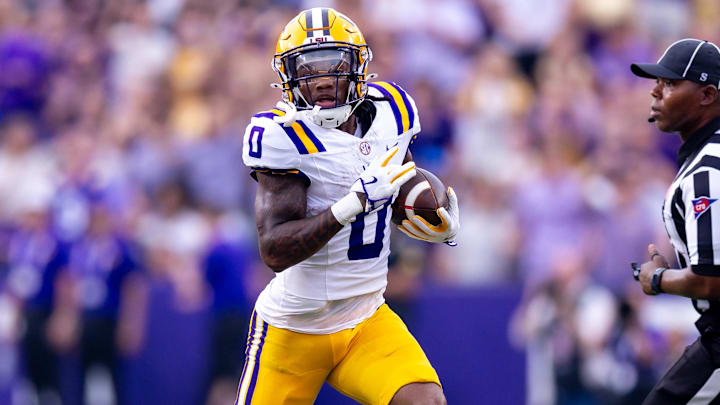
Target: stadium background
125	209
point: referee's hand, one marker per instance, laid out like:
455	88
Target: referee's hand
648	268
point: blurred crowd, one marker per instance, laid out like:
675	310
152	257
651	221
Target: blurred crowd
126	215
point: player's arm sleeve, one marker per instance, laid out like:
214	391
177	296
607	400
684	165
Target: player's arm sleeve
701	192
268	149
404	111
402	104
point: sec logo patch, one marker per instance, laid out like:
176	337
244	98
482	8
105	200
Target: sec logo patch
365	148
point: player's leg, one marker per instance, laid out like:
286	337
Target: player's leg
283	367
383	358
693	379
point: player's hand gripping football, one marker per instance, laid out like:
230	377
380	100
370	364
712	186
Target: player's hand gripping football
417	227
381	180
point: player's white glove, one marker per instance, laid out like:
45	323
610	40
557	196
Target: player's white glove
380	181
290	113
418	228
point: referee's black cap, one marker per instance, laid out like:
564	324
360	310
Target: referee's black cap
687	59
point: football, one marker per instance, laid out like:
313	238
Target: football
422	195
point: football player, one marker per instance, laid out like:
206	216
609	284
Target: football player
328	162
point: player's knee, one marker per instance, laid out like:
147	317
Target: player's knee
419	394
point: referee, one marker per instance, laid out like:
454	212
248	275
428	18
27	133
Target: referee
686	100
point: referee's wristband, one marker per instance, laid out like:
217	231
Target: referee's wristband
656	280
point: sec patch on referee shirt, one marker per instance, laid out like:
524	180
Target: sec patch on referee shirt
700	205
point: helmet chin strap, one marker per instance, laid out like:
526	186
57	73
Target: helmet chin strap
329	117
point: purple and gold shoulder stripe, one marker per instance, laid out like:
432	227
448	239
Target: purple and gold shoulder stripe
399	102
270	113
302	137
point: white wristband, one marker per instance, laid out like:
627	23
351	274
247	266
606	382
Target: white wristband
347	208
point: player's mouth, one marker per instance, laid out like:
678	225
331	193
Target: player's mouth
325	101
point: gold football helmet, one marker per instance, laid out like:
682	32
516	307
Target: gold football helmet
321	43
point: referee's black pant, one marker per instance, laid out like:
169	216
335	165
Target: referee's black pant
694	379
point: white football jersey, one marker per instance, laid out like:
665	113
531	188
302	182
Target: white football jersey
341	284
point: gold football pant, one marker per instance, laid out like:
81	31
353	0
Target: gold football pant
368	363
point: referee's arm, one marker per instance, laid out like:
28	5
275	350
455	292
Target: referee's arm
701	279
688	284
684	282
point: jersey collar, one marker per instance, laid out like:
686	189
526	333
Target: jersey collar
697	140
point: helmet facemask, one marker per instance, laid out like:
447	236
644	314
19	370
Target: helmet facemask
332	64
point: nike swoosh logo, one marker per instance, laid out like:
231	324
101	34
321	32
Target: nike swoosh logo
374	180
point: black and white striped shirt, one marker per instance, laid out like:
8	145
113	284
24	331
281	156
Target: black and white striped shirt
691	213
